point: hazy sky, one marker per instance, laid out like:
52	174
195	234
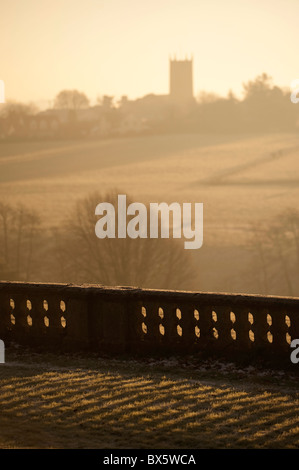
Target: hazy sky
121	47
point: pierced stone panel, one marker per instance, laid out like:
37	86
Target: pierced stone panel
196	324
152	316
143	311
161	326
270	337
143	324
162	329
251	335
289	325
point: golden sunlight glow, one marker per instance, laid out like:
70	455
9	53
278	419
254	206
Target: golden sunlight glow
118	47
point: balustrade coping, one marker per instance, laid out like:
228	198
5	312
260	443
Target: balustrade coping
141	294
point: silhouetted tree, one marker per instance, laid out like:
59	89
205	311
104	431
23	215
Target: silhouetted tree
276	250
155	263
71	99
15	113
266	107
106	101
19	246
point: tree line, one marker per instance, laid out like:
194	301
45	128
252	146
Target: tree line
72	253
264	107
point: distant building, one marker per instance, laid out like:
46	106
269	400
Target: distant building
181	82
156	112
148	114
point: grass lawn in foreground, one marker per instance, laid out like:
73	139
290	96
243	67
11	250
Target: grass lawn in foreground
50	401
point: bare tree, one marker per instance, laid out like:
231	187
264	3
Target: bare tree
261	261
276	249
19	240
106	101
15	113
71	100
155	263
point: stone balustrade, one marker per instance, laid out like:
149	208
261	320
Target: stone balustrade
125	320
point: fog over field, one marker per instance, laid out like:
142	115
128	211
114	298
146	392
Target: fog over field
241	180
149	227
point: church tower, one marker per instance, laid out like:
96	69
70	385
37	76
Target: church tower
181	81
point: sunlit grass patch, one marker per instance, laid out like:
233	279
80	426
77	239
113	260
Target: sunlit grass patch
117	405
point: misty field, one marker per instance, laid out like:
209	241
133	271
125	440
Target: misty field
106	403
241	180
